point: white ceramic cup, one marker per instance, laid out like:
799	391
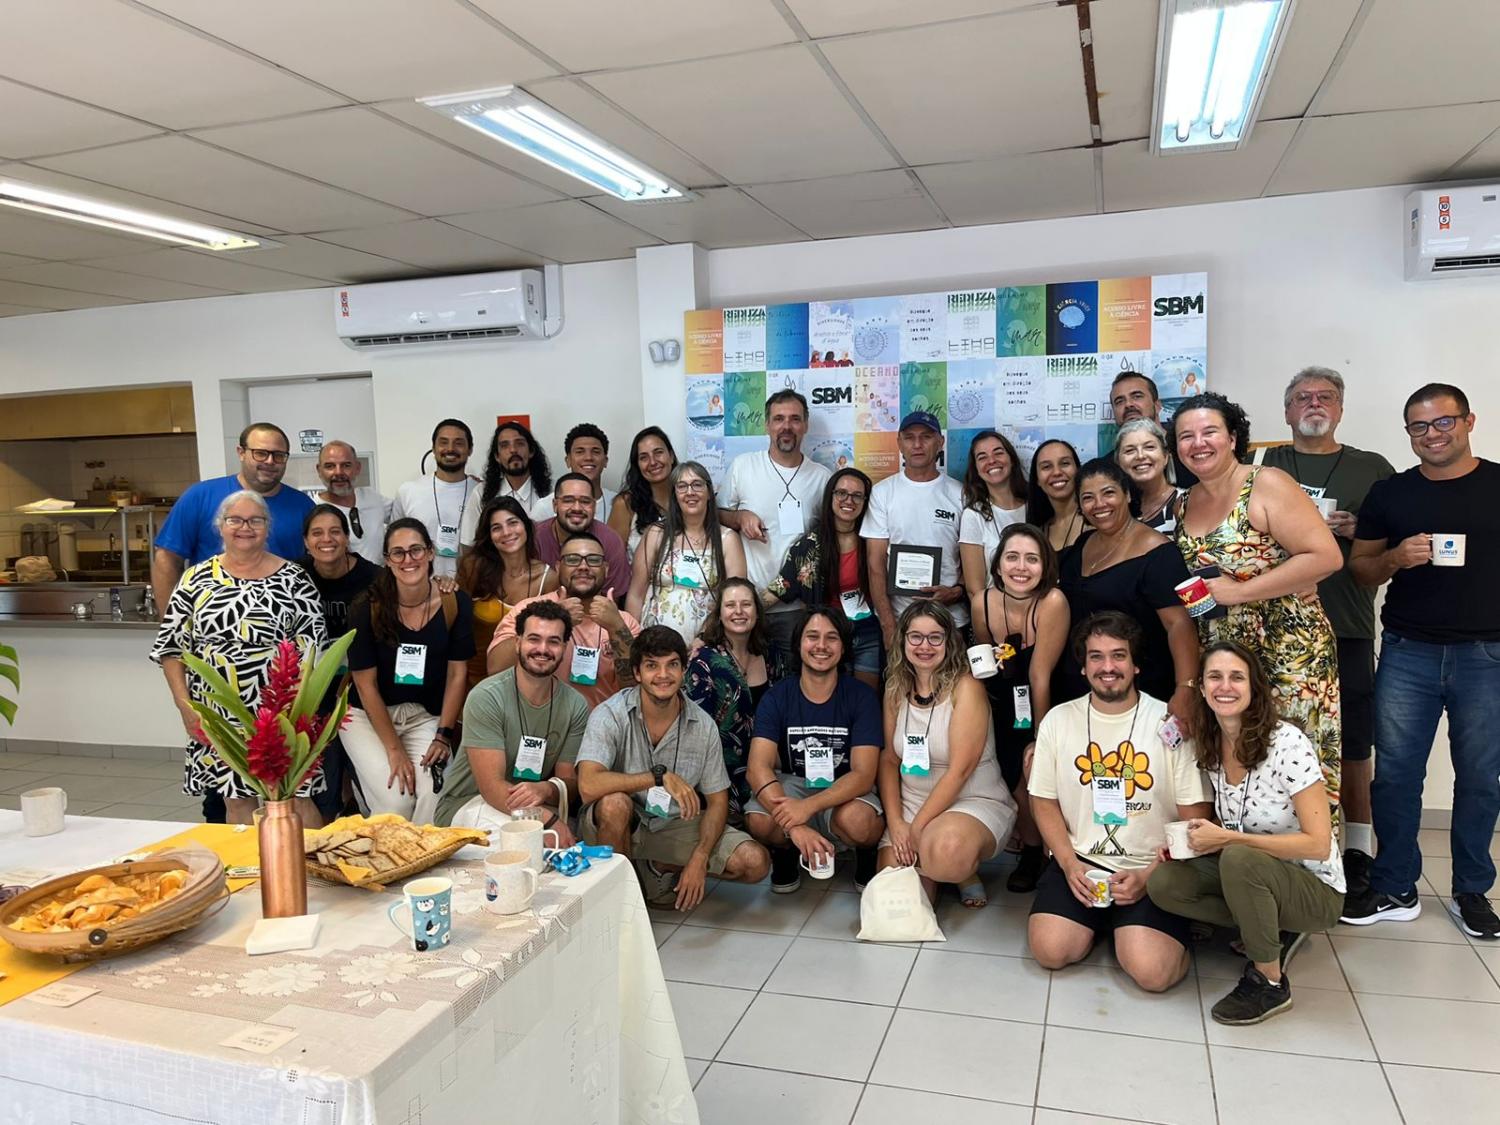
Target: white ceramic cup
982	661
1103	894
527	836
1448	548
509	882
1177	840
42	811
1326	507
823	869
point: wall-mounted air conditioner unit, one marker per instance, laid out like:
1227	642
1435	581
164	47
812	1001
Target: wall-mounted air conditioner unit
1453	232
510	305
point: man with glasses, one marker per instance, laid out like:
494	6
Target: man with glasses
366	511
573	497
447	502
1338	477
1433	532
596	660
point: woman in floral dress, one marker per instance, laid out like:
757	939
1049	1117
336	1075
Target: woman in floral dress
1272	549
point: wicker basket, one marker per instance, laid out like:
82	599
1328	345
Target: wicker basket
204	895
383	879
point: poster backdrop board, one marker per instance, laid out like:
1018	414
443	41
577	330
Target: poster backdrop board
1032	361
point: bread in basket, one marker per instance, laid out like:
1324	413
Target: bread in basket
372	852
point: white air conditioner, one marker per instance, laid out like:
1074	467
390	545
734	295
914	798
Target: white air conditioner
476	306
1453	232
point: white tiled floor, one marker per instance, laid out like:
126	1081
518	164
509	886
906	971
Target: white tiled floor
785	1018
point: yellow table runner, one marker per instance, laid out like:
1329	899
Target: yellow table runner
26	972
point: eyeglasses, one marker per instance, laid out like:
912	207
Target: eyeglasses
848	496
925	640
261	456
234	523
1442	425
579	560
691	487
1322	398
401	554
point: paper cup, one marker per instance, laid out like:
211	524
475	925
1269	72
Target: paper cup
982	661
1194	596
1177	840
820	870
1448	548
42	811
1103	895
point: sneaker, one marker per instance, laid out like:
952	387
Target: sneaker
1375	907
1291	941
658	886
786	872
1254	999
1475	916
1028	870
864	867
1356	874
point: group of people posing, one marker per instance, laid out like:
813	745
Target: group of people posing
926	671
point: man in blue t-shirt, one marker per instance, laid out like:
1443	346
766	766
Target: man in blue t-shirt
188	536
813	760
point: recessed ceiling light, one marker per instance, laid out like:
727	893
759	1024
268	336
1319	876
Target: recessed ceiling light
513	117
1212	60
96	212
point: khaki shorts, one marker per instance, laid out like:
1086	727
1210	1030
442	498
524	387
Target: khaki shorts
796	788
672	844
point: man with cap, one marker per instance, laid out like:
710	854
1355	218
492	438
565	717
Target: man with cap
917	507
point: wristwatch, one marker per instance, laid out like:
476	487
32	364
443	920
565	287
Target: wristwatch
447	734
659	773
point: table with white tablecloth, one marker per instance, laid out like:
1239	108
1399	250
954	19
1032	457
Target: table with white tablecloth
561	1011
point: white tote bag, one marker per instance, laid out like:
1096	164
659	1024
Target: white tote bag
893	907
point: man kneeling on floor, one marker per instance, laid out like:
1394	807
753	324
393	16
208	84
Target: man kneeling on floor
813	760
651	773
1104	784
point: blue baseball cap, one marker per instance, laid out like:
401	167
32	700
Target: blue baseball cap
922	418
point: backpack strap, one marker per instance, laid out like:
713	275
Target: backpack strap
450	610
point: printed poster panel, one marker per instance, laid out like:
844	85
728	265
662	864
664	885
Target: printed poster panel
744	404
1125	314
832	451
1179	376
877	399
786	337
705	405
708	451
956	451
924	386
971	324
830	400
1073	317
1020	393
924	328
1179	312
876	455
830	330
877	330
971	393
1078	398
1021	320
703	342
745	339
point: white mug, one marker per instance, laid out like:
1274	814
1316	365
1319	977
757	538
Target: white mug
823	869
527	836
1178	846
509	882
1104	894
1326	506
1448	548
42	811
982	661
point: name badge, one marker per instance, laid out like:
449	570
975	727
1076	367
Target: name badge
1315	493
447	540
411	663
529	758
915	759
585	666
659	801
789	517
1021	695
817	760
1109	800
687	570
855	606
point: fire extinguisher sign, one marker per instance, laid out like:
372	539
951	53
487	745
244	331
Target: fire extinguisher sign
1445	212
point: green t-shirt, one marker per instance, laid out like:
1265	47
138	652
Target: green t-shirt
496	716
1345	477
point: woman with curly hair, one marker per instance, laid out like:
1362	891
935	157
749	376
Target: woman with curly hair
647	487
502	569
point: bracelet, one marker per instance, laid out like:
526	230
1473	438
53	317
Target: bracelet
763	788
550	821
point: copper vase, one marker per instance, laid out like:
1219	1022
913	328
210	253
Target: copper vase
283	868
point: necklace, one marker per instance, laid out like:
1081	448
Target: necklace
1108	555
922	700
413	605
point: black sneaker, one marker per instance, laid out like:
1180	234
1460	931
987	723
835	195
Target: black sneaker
1254	999
864	867
1356	874
1374	907
786	872
1028	870
1291	941
1475	916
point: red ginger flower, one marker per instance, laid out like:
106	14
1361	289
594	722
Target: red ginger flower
285	676
266	751
312	726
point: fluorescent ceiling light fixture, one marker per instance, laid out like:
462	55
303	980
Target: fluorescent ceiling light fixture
513	117
96	212
1212	60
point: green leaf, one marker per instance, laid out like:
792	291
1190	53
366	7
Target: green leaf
8	653
11	673
7	710
318	678
220	691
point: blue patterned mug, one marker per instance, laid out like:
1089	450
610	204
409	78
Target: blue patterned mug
429	902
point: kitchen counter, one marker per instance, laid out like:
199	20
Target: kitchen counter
68	621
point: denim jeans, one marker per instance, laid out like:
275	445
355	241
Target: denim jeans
1414	684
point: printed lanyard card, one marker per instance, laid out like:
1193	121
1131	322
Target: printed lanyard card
1021	695
411	663
856	608
817	760
659	801
1109	800
687	570
529	757
915	758
447	540
585	666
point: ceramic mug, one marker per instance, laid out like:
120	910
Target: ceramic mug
823	869
982	661
1178	846
509	882
42	811
527	836
429	903
1448	548
1104	895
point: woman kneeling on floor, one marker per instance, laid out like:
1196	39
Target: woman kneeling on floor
1271	865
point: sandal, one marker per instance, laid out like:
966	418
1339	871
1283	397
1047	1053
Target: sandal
973	894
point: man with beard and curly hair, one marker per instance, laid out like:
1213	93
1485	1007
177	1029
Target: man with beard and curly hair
516	466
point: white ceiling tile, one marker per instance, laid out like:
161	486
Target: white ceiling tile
1317	32
568	231
370	49
212	272
838	17
92	279
575	33
1135	180
1407	55
120	58
1040	185
21	310
45	297
188	171
1370	149
1124	66
714	218
33	236
310	257
969	90
364	152
843	206
769	115
433	245
33	123
1482	163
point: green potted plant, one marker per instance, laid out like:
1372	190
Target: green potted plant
10	669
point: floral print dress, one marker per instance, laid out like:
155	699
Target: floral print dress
672	601
1291	634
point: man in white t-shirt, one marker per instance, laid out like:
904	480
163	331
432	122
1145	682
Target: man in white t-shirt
919	506
365	510
771	499
516	466
1104	784
447	502
586	452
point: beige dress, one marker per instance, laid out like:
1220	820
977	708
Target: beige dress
984	796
